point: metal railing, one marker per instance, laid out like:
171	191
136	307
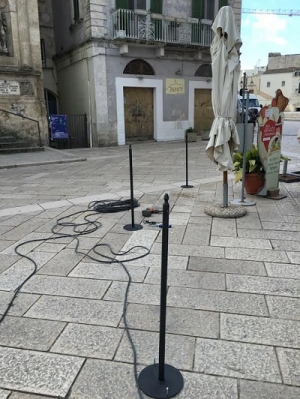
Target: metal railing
128	24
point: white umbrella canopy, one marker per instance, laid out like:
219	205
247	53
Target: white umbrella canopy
223	138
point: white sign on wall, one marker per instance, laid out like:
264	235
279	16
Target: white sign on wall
9	87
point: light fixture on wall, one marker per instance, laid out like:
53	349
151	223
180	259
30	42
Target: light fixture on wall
140	77
178	72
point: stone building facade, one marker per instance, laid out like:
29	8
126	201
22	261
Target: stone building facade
282	72
21	77
139	69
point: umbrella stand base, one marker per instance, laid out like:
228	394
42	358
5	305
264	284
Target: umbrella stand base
238	201
231	211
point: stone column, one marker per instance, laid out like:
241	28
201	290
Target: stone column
24	38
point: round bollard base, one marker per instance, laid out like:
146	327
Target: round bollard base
151	386
187	186
230	211
135	227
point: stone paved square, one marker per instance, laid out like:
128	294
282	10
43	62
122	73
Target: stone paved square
233	284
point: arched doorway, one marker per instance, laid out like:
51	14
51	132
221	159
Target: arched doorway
138	103
51	102
203	111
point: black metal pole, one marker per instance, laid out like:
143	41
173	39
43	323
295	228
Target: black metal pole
186	185
132	226
162	380
163	288
131	186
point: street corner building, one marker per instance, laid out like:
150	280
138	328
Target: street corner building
132	70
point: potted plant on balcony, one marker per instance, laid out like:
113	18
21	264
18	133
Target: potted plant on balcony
254	170
191	134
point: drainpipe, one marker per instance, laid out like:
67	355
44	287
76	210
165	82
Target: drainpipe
90	108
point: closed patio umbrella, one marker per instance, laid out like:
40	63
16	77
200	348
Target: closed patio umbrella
223	138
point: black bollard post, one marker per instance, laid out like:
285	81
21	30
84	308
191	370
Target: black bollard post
186	185
132	226
162	380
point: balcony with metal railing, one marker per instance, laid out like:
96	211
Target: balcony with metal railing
142	26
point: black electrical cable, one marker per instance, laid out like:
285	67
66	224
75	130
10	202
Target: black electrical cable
84	228
113	206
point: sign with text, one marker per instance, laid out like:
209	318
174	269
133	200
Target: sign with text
269	146
175	86
59	126
9	87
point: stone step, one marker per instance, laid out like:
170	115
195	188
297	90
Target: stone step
15	144
20	149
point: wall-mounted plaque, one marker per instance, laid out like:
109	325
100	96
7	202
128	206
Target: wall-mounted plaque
9	87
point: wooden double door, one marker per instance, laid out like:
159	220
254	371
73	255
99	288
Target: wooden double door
203	112
138	108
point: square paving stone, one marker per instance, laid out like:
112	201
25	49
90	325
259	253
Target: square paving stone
50	247
233	359
249	221
152	260
263	285
179	349
283	270
29	333
226	227
183	278
237	242
289	360
4	394
218	301
196	234
176	234
36	372
179	321
283	307
138	293
260	330
109	272
62	263
294	257
226	266
285	245
190	250
20	305
26	248
75	310
66	286
144	238
264	390
256	254
88	341
11	278
7	260
100	379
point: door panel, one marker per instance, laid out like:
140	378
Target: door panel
204	115
138	106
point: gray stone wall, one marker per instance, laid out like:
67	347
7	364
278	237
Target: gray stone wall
21	81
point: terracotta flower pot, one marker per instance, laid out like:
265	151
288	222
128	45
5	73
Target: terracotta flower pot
254	182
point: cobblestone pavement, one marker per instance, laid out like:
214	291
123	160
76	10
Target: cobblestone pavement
233	319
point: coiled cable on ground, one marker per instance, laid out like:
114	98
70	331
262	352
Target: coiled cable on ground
88	226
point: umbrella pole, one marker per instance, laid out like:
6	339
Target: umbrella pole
225	189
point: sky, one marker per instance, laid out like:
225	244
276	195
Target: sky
262	34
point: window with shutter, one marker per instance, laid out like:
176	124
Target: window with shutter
122	4
223	3
156	6
76	9
197	9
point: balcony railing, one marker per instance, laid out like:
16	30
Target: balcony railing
143	26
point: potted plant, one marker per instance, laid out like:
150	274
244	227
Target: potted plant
191	134
254	170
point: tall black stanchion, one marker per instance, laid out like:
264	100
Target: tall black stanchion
186	185
132	226
162	380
